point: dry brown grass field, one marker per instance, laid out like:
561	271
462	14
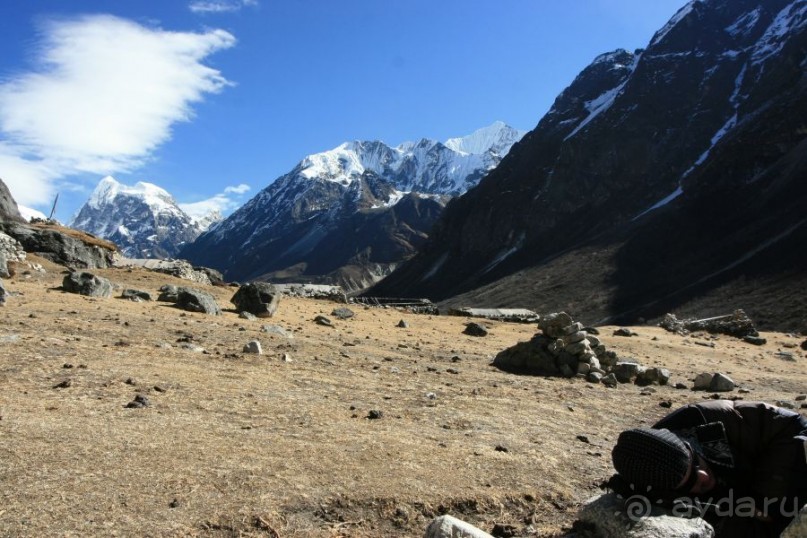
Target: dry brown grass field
252	445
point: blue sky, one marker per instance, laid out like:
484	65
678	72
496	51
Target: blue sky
214	99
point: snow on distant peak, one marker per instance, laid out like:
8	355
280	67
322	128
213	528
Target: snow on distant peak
108	189
678	17
498	137
30	213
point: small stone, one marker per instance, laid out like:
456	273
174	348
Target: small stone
610	381
67	366
431	396
247	315
682	386
375	414
130	381
804	345
456	358
626	372
343	313
322	320
583	438
64	384
253	346
755	340
174	504
403	324
501	530
277	330
666	404
138	402
594	377
624	331
286	357
786	356
452	370
801	397
475	329
501	448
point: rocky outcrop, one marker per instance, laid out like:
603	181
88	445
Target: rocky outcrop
62	245
88	284
9	211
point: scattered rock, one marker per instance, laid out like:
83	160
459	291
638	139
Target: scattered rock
703	381
87	284
246	315
501	448
653	376
666	404
169	293
786	356
313	291
194	300
610	381
804	345
253	346
451	527
276	329
610	516
624	331
67	383
682	386
322	320
285	357
785	404
258	298
3	293
192	347
11	252
627	372
583	438
721	383
755	340
139	402
801	397
501	530
135	295
475	329
375	414
736	324
403	324
452	370
343	313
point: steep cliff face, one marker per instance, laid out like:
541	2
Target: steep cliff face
695	141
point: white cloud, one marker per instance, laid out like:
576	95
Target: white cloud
237	189
219	6
221	202
102	96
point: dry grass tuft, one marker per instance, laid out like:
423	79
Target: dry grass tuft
245	445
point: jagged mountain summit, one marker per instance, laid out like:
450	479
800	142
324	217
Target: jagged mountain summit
350	215
657	176
143	220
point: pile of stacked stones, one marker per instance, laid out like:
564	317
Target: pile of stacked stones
565	348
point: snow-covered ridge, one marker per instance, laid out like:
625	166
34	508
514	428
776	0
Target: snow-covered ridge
678	17
419	165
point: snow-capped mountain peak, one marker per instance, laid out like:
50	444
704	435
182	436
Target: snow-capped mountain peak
497	138
143	219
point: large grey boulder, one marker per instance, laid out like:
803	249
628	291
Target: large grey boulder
169	293
610	516
194	300
451	527
88	284
258	298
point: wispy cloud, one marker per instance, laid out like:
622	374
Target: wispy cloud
230	198
220	6
101	97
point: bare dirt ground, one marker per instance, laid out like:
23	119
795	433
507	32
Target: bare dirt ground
250	445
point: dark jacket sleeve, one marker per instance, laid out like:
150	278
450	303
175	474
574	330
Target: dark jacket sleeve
762	438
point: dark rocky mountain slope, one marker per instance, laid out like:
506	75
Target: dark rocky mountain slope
665	179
